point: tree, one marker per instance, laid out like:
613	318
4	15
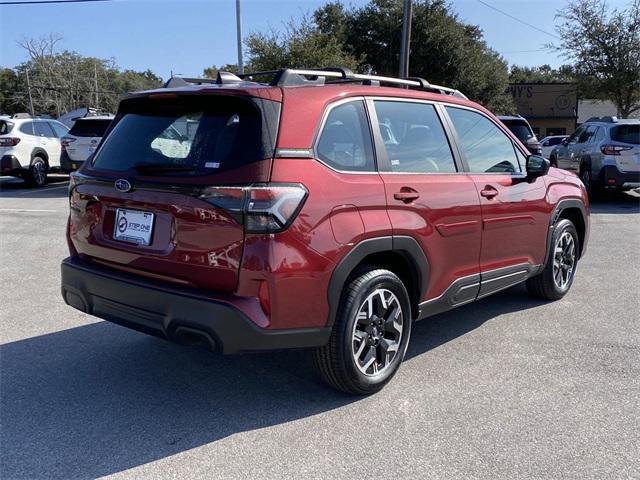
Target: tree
444	50
542	74
604	45
302	44
212	72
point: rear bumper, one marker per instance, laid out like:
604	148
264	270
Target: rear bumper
174	313
68	165
610	176
9	165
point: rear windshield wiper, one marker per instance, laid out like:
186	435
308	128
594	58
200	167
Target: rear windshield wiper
161	168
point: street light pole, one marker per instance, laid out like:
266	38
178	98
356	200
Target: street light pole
406	39
239	35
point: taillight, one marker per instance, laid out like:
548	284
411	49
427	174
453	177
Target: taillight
9	141
613	149
262	208
66	141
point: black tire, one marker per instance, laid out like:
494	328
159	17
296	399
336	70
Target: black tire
553	161
587	180
336	362
37	176
544	284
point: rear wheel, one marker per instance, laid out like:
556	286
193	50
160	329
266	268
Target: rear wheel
553	161
370	334
37	176
556	278
587	180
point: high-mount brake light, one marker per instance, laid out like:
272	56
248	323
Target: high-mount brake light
9	141
262	208
162	96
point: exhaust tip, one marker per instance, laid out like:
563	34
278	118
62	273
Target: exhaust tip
193	338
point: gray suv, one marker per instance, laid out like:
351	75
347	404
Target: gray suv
604	152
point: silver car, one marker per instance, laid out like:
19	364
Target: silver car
604	152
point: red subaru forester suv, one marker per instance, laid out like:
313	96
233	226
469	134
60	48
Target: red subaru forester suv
320	209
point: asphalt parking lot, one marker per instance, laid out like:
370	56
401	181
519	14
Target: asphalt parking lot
509	387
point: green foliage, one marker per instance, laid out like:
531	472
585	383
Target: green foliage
212	72
302	44
542	74
605	46
62	81
444	50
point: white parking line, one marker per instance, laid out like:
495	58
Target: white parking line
26	210
46	189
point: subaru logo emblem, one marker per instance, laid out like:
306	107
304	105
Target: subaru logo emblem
123	185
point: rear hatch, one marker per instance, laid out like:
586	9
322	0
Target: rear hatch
626	147
84	137
157	199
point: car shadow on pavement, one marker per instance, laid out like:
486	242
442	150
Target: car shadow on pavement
56	187
99	399
616	202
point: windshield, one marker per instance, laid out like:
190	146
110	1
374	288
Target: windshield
520	129
626	134
186	136
5	127
89	128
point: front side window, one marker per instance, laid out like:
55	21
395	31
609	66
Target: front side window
573	139
587	134
414	137
345	142
59	129
486	148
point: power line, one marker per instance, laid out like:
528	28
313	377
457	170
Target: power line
36	2
518	20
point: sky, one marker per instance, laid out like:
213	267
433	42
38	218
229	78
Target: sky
185	36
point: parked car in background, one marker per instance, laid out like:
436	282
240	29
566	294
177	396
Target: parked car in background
30	147
548	143
311	213
82	140
604	152
521	129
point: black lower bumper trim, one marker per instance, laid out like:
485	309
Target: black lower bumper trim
610	176
170	313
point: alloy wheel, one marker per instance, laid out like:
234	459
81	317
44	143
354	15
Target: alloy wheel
39	173
377	332
564	260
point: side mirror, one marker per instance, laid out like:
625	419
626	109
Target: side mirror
565	142
537	166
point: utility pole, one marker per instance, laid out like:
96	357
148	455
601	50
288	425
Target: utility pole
30	97
239	36
95	81
406	39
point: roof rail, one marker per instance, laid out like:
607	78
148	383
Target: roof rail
28	115
289	77
607	119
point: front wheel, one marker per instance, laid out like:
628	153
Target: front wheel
370	334
556	278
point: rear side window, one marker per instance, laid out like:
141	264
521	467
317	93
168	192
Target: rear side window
89	128
5	127
485	146
626	134
414	138
187	136
345	142
27	128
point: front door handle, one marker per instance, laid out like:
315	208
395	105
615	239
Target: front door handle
406	195
488	192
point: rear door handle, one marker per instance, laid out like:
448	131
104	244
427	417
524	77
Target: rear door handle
488	192
406	195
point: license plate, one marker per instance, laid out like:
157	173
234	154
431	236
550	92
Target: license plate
133	226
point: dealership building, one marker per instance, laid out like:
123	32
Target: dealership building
550	108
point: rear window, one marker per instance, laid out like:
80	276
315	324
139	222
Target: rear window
5	127
626	134
189	135
89	128
520	129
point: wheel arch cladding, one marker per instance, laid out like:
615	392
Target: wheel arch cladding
401	255
40	152
575	211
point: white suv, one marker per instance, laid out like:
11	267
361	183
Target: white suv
82	140
30	147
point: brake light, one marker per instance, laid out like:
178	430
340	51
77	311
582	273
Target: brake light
613	149
66	141
263	208
9	141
